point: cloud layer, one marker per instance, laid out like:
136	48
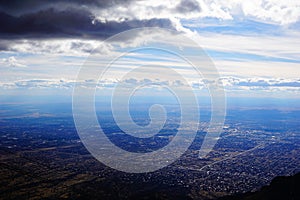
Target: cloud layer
101	19
65	28
228	82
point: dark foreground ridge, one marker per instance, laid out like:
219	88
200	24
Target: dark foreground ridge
281	187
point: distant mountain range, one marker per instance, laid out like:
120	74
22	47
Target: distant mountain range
281	187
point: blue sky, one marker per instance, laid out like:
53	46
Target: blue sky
255	45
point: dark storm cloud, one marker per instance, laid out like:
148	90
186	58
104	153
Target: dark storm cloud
186	6
68	23
33	19
18	7
4	45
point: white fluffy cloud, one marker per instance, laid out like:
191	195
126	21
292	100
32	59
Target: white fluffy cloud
73	47
11	62
279	11
260	82
271	11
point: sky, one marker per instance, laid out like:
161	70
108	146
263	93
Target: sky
254	45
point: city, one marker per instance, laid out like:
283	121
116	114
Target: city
43	157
